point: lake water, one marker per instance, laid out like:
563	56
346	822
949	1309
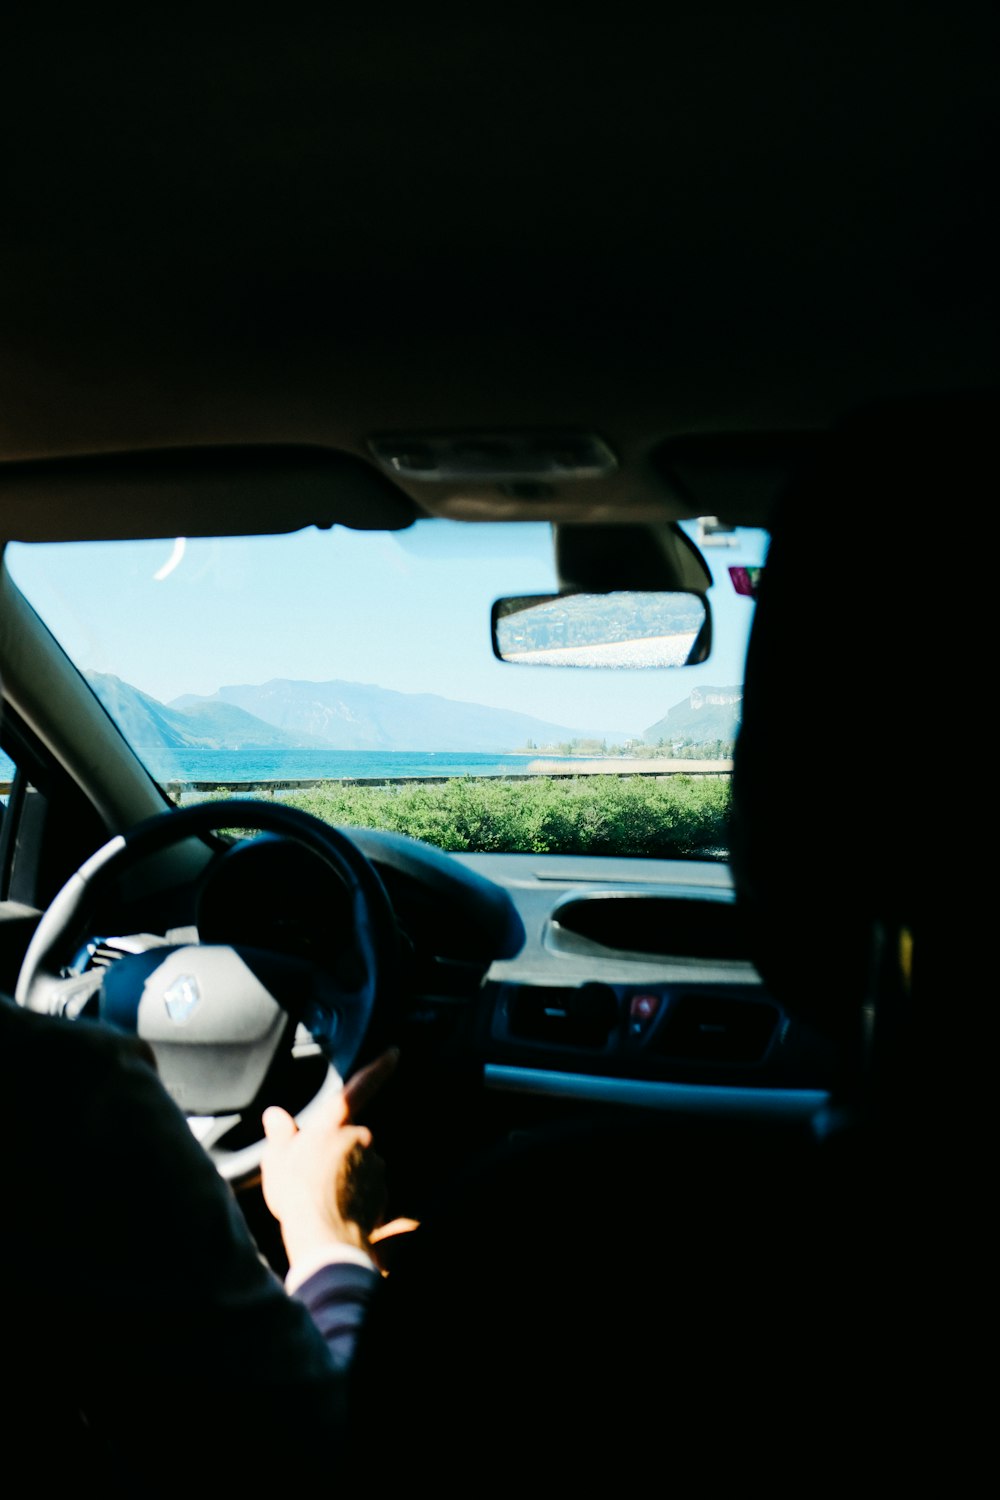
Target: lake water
334	765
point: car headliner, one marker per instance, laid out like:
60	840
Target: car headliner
686	228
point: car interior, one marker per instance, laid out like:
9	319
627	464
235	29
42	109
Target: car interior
691	1140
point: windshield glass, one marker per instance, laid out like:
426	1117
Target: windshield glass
353	672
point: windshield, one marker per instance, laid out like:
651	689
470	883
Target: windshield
353	672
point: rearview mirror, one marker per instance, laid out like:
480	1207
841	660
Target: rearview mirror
603	630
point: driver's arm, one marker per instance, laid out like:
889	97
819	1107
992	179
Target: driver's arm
326	1186
323	1180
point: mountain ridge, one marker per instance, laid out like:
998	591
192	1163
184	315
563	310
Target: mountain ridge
707	713
362	716
149	724
294	713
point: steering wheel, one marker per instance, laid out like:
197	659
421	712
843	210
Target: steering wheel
223	1019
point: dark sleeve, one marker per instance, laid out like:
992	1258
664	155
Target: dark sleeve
337	1298
135	1293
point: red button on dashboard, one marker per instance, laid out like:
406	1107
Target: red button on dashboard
643	1007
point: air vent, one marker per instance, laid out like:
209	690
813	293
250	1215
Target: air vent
716	1028
561	1016
101	953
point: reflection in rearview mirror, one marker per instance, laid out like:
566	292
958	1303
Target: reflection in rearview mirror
623	630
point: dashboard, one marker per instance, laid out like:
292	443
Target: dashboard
618	981
549	981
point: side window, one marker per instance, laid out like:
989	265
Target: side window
8	771
22	820
8	791
47	827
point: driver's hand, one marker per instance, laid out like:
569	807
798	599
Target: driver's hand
325	1183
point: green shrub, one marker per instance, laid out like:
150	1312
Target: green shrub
676	816
666	817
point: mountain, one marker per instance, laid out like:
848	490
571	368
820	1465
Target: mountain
147	723
360	716
707	714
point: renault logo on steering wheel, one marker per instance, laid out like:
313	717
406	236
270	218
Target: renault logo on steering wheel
182	997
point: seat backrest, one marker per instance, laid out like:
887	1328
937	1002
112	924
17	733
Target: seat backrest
858	647
859	653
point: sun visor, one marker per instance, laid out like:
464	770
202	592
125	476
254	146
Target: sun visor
226	491
736	476
607	558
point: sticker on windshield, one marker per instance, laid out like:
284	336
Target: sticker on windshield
746	580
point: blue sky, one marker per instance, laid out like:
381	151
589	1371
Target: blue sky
408	610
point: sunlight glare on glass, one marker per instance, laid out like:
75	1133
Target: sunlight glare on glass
180	543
